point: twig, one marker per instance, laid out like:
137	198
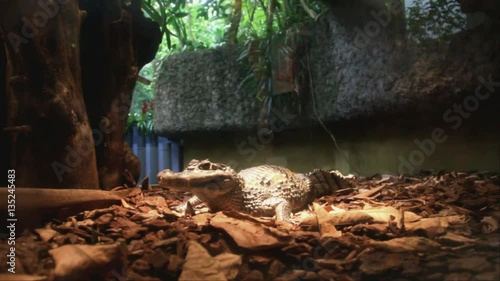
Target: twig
402	220
18	129
311	86
369	193
143	80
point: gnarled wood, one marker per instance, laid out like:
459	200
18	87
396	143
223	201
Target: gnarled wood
35	206
44	93
115	45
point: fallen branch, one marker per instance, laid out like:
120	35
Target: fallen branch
35	206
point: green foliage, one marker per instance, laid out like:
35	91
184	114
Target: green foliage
273	29
430	20
189	25
141	109
143	121
186	27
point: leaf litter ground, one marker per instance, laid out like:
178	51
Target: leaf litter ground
440	226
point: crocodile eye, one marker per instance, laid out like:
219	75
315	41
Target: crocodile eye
205	166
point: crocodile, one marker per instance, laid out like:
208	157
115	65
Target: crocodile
265	190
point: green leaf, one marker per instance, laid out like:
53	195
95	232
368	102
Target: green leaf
153	14
181	14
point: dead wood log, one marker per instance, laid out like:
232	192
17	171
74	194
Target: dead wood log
35	206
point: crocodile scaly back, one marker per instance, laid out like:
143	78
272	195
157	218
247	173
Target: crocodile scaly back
265	185
325	182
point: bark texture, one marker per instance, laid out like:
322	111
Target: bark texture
51	138
4	140
109	75
116	42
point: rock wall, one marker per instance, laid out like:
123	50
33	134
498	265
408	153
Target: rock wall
200	91
359	75
358	68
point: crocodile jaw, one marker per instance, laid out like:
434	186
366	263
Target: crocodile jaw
215	181
202	178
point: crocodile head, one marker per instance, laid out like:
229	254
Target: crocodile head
202	178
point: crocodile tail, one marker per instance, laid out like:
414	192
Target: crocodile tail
326	182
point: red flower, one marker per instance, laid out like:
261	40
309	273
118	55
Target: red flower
144	108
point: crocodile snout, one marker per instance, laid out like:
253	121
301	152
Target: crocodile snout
161	175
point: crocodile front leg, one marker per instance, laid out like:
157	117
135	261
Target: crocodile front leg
280	206
193	202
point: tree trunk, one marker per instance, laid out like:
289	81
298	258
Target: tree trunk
109	76
232	32
4	140
52	144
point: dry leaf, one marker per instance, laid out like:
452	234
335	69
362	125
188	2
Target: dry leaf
85	222
404	244
126	205
430	226
120	222
489	225
456	219
104	219
154	201
199	265
326	225
202	219
306	219
275	269
250	234
386	214
74	262
46	234
97	212
145	216
336	264
229	264
428	223
376	263
350	218
453	239
472	263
